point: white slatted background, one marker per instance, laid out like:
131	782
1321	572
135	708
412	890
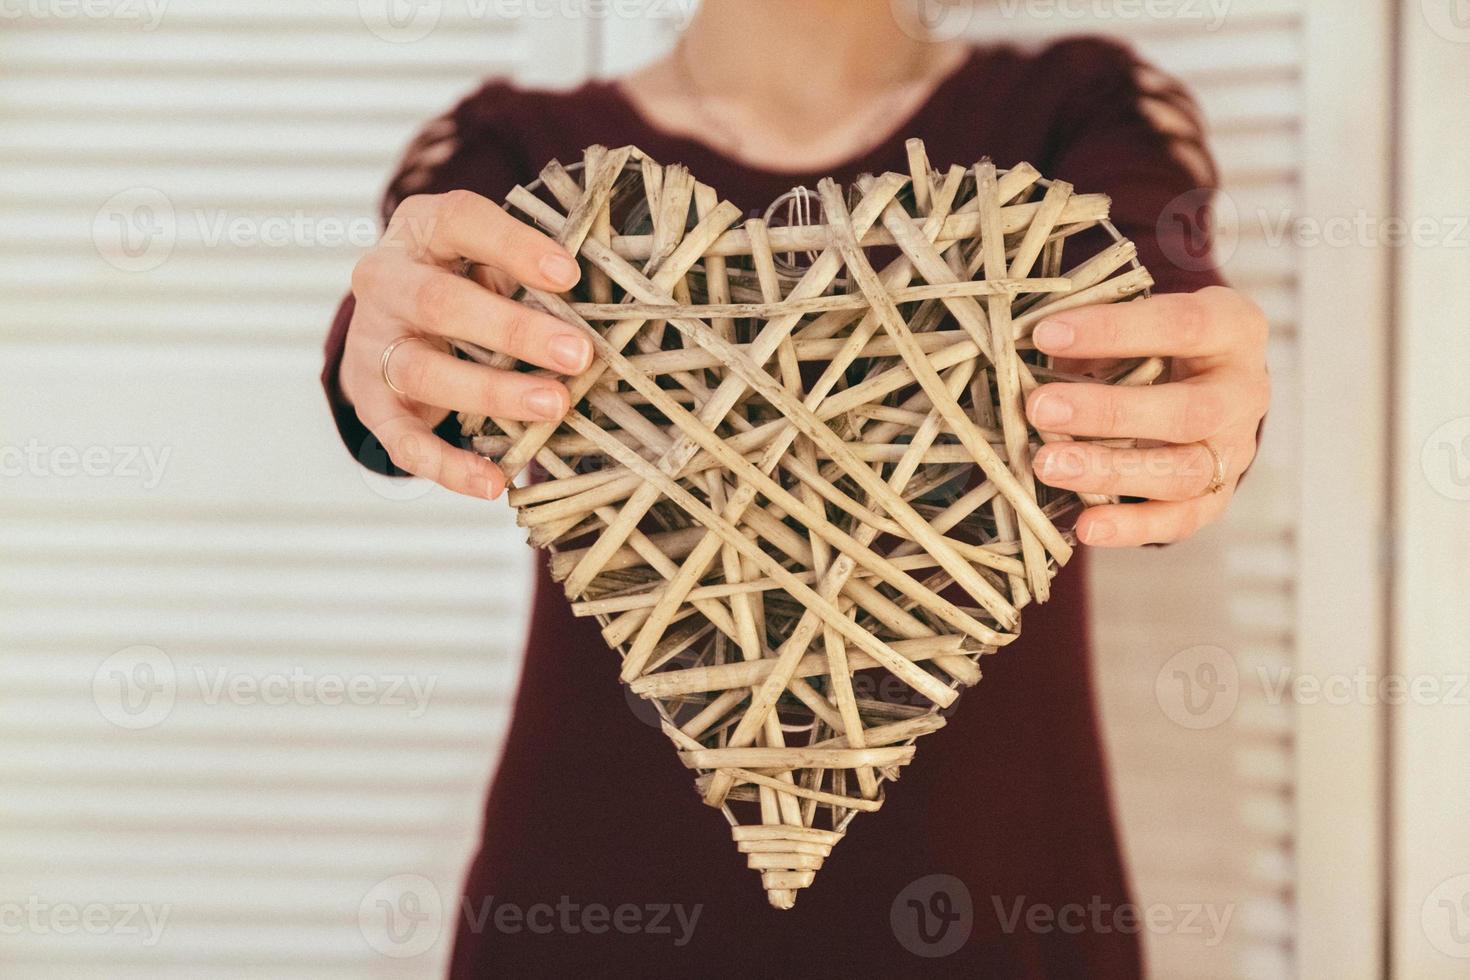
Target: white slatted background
261	551
1206	813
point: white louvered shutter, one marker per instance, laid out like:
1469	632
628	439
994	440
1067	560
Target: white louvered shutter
1205	812
243	145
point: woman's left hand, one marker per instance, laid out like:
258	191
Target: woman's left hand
1216	396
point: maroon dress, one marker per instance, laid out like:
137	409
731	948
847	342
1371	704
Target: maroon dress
594	833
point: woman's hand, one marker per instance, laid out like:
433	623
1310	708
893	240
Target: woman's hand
1217	394
408	286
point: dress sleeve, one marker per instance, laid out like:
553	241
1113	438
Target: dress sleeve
1129	130
1137	134
472	147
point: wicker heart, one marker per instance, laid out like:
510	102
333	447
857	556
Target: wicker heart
799	465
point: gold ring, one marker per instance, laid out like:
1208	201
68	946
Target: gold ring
388	356
1217	481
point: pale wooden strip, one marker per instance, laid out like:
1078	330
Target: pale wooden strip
1081	209
1002	286
760	757
723	677
813	835
849	802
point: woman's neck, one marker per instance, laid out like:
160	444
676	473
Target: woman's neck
791	84
782	51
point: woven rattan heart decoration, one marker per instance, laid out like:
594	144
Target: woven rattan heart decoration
800	462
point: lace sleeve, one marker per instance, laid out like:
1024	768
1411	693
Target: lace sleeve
1136	133
472	146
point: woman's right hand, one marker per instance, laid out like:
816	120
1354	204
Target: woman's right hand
410	286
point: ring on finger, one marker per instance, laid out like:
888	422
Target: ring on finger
1217	479
387	359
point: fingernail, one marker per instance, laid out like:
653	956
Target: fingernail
1060	463
1053	335
494	479
1049	408
1098	531
561	270
544	403
570	351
